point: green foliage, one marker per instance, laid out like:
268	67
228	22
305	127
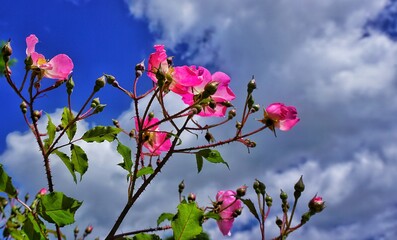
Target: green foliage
186	224
144	236
34	228
251	207
125	152
210	155
79	160
144	171
51	129
100	134
68	163
6	183
163	217
68	123
57	208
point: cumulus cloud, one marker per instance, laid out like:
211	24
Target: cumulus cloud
321	57
310	54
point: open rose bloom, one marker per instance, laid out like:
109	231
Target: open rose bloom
59	67
191	82
277	115
154	140
227	209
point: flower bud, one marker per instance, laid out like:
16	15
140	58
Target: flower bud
210	88
305	217
116	123
259	187
181	186
151	116
191	197
76	231
59	128
88	229
238	125
316	205
231	114
24	107
36	115
279	222
227	104
139	69
255	108
69	86
209	137
212	104
3	202
28	62
6	51
251	85
237	212
27	196
42	192
299	188
197	109
99	83
241	191
109	78
283	196
95	102
269	201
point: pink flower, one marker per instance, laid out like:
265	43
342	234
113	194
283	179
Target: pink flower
227	210
154	140
42	192
59	67
277	115
176	79
317	204
211	93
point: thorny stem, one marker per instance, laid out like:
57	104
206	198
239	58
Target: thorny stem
135	196
120	236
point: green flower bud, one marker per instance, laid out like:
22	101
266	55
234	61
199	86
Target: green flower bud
210	88
36	115
28	62
279	222
99	83
151	115
255	108
209	137
181	187
251	85
6	51
139	69
109	78
231	114
116	123
269	201
305	217
241	191
95	102
283	196
259	187
69	86
238	125
24	107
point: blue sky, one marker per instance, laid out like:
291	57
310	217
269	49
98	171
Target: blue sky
335	61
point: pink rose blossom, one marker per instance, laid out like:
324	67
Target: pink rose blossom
227	210
316	204
277	115
220	82
59	67
154	140
177	79
42	192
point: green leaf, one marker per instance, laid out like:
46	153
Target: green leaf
212	215
51	129
199	160
57	208
67	118
34	228
125	152
163	217
187	222
101	133
6	183
145	236
79	160
144	171
210	155
251	207
66	160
